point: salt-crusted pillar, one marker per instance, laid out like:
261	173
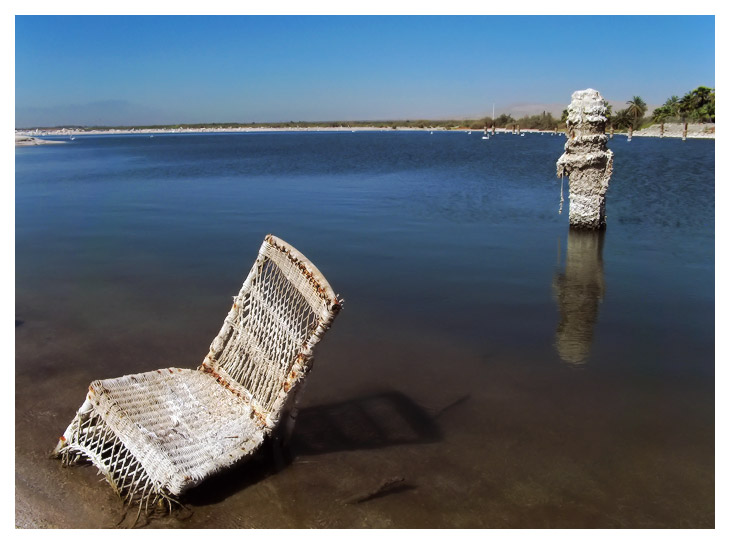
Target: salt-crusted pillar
579	291
587	161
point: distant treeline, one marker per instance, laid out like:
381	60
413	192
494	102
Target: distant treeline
697	106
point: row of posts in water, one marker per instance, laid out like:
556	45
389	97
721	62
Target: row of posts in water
516	130
661	132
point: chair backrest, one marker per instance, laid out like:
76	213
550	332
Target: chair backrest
265	345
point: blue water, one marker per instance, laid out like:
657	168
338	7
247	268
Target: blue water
461	282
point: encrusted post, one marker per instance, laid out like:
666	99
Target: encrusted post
587	161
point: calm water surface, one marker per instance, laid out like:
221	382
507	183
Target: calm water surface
513	373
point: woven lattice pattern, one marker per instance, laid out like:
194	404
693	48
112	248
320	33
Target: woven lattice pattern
158	433
272	324
181	422
281	312
90	438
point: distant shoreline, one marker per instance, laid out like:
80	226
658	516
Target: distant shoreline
34	136
131	130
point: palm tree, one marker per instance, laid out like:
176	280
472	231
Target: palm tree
703	102
672	105
661	114
698	104
636	109
621	119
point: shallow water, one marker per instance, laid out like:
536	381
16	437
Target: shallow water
513	373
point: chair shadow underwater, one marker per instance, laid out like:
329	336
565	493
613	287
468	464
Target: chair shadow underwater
372	421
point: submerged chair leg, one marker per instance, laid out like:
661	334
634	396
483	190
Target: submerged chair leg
89	438
280	438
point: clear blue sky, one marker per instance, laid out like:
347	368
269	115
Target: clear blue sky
189	69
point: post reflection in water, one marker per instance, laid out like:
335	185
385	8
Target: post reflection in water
579	291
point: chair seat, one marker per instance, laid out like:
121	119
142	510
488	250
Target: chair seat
180	424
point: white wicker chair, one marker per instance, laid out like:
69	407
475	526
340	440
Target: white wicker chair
156	434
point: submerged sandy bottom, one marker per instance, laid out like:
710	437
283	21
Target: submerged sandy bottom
506	439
